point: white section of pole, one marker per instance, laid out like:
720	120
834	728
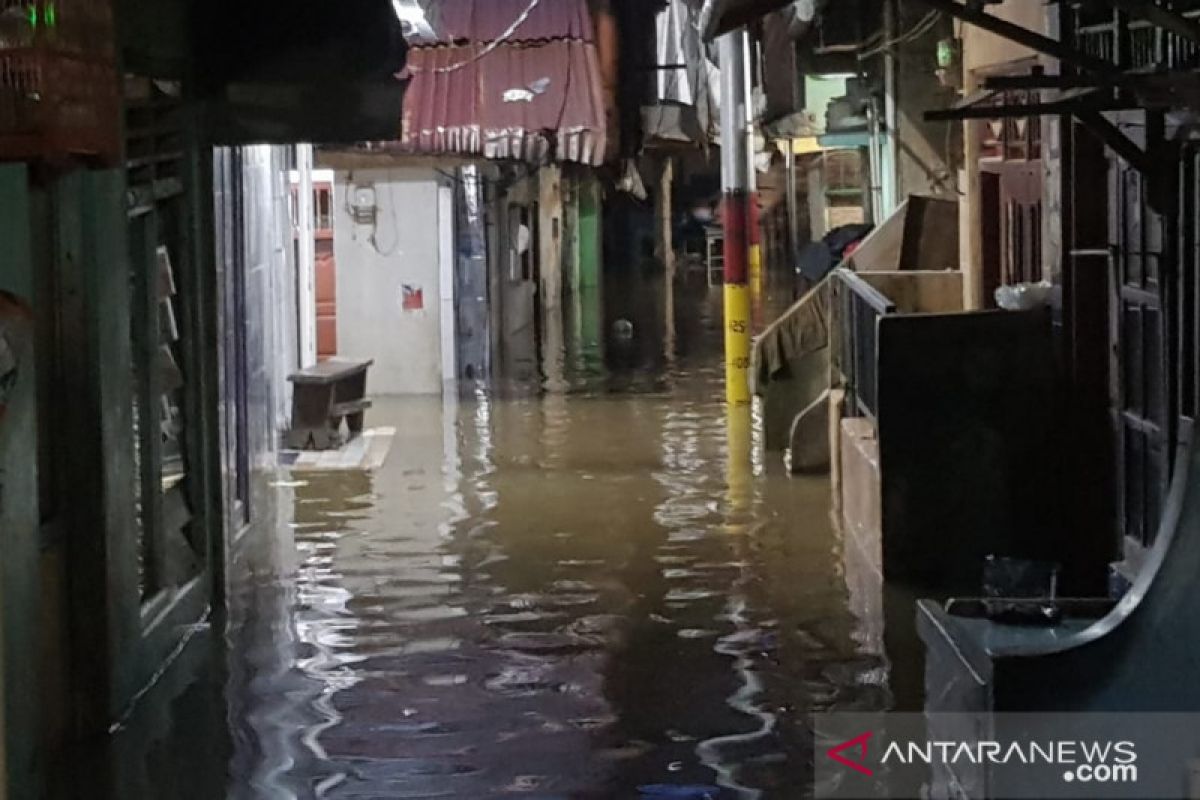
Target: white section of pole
447	257
306	257
735	100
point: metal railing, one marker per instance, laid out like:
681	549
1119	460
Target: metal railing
859	306
1136	43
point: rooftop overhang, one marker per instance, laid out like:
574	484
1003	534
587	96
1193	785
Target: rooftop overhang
274	70
722	16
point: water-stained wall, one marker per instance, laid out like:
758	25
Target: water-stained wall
387	242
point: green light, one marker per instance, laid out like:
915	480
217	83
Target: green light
33	16
947	52
51	16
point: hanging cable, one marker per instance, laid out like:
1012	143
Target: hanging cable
491	47
927	23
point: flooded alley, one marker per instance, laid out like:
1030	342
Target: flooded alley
598	399
560	597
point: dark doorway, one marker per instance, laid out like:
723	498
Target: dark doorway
991	235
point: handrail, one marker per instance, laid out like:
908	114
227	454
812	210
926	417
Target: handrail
870	295
860	308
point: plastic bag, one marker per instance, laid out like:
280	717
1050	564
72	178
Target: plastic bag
1024	296
1019	578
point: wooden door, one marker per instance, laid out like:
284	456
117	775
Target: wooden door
326	272
1021	222
1140	246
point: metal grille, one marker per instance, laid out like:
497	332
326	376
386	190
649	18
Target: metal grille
861	307
1134	43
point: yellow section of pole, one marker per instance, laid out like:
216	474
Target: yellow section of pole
757	286
737	344
756	267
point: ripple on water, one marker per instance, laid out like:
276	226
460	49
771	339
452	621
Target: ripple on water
450	631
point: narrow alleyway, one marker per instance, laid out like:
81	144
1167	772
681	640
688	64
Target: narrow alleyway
552	597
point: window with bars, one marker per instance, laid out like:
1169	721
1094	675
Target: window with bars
1131	43
1012	138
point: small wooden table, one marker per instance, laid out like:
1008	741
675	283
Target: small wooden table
323	396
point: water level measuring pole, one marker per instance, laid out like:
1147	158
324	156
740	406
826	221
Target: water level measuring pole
737	191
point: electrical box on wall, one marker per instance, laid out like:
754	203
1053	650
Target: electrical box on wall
364	207
949	63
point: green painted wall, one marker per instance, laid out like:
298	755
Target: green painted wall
589	233
19	542
591	293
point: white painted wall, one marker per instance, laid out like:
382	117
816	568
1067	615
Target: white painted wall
270	294
375	261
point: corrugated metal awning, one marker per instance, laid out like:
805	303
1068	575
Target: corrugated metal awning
508	80
485	21
487	107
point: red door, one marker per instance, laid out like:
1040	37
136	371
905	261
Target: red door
326	272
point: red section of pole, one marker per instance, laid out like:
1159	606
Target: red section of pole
736	216
755	219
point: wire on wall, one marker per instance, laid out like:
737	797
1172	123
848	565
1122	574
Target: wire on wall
875	46
363	217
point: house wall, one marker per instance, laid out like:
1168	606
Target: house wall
919	291
926	152
985	53
376	261
271	313
257	320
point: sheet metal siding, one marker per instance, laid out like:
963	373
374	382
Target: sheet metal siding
484	21
463	110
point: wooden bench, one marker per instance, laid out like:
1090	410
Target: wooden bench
323	396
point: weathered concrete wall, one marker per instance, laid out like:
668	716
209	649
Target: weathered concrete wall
862	492
983	54
272	346
381	263
809	444
789	395
926	152
919	291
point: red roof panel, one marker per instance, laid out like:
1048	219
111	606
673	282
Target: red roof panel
461	102
484	21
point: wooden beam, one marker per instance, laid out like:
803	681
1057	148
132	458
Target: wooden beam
1023	36
1039	80
1164	18
1054	107
1115	140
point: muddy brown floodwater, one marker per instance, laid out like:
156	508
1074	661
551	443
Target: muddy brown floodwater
558	597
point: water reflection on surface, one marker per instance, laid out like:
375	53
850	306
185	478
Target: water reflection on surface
559	597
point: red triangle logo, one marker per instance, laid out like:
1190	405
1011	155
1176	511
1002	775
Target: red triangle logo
859	743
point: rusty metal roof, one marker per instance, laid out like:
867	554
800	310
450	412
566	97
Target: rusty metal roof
484	21
534	96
